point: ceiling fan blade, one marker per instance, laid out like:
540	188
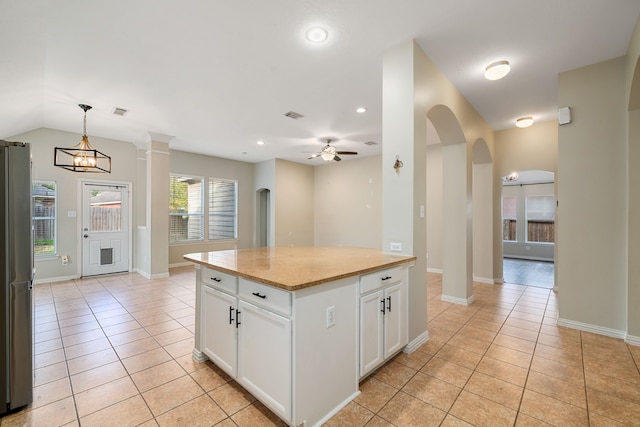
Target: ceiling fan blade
336	158
347	152
314	156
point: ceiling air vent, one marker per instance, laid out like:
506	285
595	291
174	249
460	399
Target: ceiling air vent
370	143
293	115
119	111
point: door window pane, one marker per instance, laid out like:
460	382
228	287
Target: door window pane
106	211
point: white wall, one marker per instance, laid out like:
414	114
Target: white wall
294	204
348	203
592	188
434	207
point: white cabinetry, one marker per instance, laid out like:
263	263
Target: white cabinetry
218	329
264	357
250	343
383	317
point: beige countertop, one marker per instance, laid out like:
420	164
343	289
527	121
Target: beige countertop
293	268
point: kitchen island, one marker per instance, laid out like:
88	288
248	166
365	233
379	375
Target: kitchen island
298	327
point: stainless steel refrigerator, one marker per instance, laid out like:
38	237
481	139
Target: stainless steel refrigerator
16	272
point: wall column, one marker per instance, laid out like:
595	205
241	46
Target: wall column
404	191
157	212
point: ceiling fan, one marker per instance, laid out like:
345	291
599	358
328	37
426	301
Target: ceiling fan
329	152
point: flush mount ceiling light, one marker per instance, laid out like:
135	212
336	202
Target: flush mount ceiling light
524	122
361	110
82	157
497	70
316	35
261	142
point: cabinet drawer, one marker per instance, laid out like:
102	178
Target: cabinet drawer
378	279
266	296
220	280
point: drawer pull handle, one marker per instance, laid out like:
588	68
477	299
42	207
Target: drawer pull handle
215	279
383	308
238	318
386	278
389	304
259	296
231	319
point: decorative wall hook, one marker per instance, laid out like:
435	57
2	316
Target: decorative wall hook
398	164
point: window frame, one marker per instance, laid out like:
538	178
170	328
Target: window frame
187	214
34	218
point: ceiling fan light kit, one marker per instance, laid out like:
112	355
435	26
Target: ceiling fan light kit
329	152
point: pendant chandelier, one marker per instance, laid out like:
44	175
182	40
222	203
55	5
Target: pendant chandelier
82	157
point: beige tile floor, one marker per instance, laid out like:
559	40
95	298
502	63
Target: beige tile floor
116	351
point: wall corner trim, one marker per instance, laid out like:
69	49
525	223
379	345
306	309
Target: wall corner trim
417	342
632	340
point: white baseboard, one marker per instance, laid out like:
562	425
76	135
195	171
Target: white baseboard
55	279
483	280
434	270
417	342
630	339
181	264
151	276
459	301
595	329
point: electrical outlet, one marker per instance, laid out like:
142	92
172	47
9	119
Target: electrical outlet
64	259
395	247
331	316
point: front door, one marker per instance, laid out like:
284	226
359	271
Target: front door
105	228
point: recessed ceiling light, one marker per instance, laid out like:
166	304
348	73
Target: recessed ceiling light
361	110
524	122
261	142
316	34
497	70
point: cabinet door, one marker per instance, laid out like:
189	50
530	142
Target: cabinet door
371	328
264	357
218	329
394	326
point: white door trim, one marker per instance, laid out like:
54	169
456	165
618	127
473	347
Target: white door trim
79	233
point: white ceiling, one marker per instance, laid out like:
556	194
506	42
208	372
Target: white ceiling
218	75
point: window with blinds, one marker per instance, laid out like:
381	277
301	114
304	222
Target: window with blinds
540	219
223	209
185	209
43	194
